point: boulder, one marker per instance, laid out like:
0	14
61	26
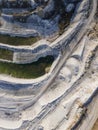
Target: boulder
70	7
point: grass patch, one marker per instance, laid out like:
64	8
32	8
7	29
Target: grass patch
33	70
18	40
6	54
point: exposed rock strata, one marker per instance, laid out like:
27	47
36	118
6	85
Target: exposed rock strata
55	47
56	98
38	18
67	102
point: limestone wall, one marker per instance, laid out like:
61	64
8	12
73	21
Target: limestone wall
27	54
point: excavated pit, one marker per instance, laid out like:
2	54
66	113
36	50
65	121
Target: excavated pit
23	23
65	87
44	19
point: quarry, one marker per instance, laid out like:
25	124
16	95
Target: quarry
48	64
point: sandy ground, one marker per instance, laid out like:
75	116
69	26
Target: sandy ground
95	126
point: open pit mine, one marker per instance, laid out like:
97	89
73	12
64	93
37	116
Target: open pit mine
48	64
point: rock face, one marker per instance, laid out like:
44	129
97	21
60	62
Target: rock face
64	97
44	47
35	18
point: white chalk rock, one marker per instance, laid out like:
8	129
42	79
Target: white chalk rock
65	74
73	64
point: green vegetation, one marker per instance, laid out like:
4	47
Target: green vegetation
6	54
18	40
32	70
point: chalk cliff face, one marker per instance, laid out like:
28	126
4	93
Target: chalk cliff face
35	17
38	18
66	97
